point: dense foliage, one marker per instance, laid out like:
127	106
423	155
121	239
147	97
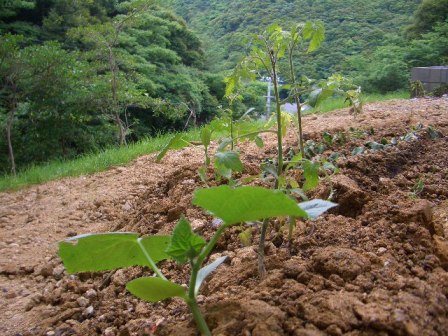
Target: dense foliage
77	76
351	26
375	42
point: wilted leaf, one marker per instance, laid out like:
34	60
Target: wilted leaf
205	271
316	207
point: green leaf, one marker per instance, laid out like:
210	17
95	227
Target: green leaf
434	133
246	203
259	142
311	175
206	136
185	244
315	32
246	237
230	160
106	251
358	150
374	145
176	142
319	95
316	207
155	289
224	143
205	271
328	138
202	172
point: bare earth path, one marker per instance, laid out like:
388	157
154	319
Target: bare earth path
33	220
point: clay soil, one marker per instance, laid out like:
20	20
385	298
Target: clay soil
375	265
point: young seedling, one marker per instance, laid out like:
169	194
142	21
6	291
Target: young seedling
225	161
417	188
100	252
267	51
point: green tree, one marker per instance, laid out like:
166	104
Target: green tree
66	14
103	43
428	14
431	48
11	72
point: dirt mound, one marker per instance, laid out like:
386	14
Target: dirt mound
376	265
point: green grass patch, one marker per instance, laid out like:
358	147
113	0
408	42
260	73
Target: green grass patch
338	102
88	163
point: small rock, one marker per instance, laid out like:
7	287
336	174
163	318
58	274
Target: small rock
420	212
127	206
110	331
10	295
142	308
45	270
119	278
197	224
408	248
381	250
91	293
58	272
34	301
82	301
9	269
88	312
50	333
341	261
174	213
441	250
349	196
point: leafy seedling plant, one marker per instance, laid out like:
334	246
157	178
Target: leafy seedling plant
268	49
226	159
100	252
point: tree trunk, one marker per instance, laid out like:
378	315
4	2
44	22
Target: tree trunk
114	85
8	138
121	131
11	114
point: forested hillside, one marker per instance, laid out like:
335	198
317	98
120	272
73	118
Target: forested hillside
375	41
80	75
352	26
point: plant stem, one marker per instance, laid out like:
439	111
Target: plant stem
296	99
261	267
150	261
192	303
231	127
195	266
210	245
198	317
279	122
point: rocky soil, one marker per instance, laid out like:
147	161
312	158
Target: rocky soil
375	265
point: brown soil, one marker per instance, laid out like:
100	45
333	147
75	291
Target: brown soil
376	265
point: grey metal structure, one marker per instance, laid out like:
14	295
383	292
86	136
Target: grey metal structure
431	77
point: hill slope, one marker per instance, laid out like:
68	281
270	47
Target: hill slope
377	223
352	26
